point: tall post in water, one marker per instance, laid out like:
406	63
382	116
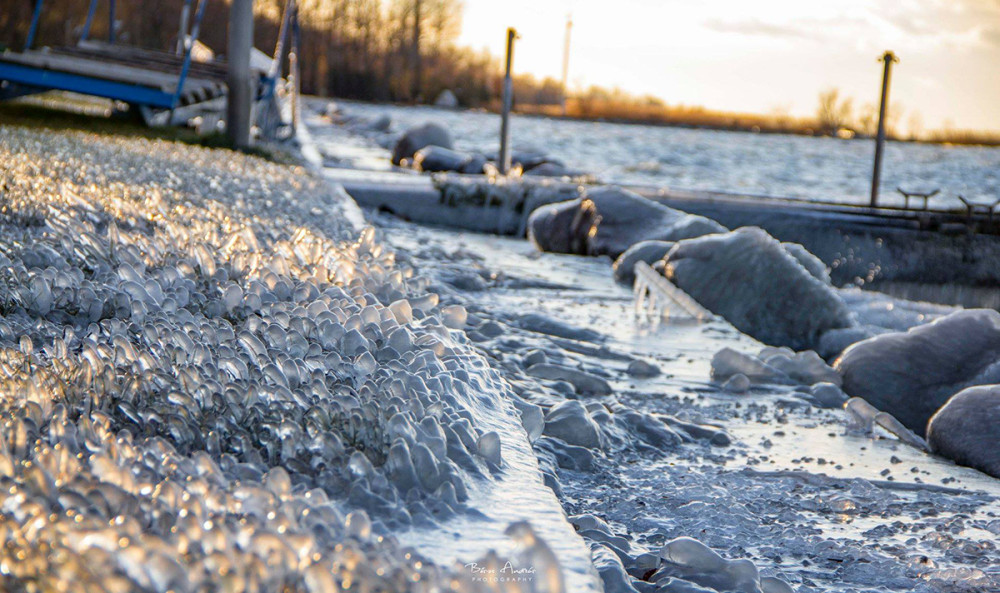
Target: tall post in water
888	58
238	75
565	64
508	93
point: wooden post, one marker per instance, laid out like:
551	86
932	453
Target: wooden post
111	21
888	58
508	92
238	75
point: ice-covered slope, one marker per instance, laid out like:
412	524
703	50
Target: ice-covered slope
209	377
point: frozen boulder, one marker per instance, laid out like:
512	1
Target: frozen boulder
644	251
747	277
965	430
690	560
571	423
446	99
436	158
912	374
429	134
609	220
582	381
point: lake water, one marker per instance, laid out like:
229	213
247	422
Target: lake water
827	169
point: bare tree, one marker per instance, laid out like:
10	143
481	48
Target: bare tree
834	113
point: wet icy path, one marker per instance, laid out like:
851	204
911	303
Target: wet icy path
824	510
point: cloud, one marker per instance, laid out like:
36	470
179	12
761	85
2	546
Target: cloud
756	27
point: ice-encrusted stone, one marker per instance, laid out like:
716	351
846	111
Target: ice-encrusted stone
738	383
965	429
609	220
582	381
569	421
748	278
642	369
690	560
911	375
728	362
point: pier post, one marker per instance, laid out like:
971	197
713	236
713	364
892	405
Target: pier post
888	58
238	74
508	96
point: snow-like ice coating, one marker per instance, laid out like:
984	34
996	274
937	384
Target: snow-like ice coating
644	251
747	277
965	429
210	379
912	374
609	220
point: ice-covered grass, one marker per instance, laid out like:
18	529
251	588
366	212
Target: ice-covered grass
212	379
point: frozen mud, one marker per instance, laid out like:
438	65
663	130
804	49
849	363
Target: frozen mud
212	381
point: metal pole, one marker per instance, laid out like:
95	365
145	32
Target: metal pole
33	30
565	64
183	29
888	58
111	21
294	71
508	92
90	21
238	79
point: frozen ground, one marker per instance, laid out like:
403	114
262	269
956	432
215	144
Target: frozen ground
757	164
823	509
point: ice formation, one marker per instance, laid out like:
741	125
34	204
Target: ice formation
498	205
965	429
912	374
609	220
210	382
747	277
644	251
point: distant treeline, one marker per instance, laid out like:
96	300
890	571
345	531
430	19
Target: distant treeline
405	51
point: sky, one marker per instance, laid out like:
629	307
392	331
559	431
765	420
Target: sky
764	56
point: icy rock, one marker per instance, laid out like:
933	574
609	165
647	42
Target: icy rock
535	357
728	362
911	375
570	422
609	220
428	134
582	382
805	367
965	429
828	395
642	369
382	123
747	277
543	324
738	383
691	560
433	159
643	251
446	99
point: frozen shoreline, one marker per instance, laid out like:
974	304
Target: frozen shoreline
791	458
754	476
